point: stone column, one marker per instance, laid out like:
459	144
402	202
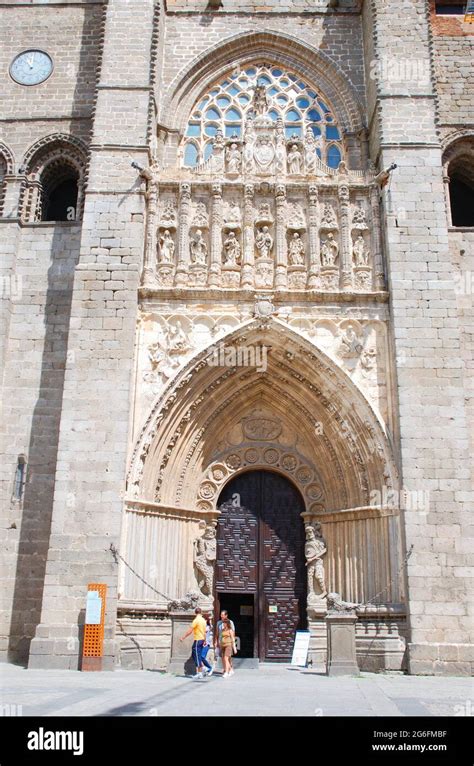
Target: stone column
95	419
447	196
313	237
376	240
181	278
150	256
346	245
249	239
216	236
281	277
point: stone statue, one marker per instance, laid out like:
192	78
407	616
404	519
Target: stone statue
315	549
294	160
336	604
296	251
177	339
360	252
259	101
198	249
329	251
350	343
201	216
218	152
186	604
204	557
249	165
166	248
233	159
264	243
231	250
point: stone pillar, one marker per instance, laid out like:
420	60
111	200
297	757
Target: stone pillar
313	237
341	660
249	239
181	278
216	236
376	240
94	429
181	660
447	196
150	257
281	277
346	245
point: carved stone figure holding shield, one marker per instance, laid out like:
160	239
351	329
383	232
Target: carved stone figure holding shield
315	549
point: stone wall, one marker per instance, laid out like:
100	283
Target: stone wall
427	335
94	427
33	378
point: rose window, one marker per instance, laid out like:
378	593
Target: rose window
289	99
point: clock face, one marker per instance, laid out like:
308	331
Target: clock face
31	67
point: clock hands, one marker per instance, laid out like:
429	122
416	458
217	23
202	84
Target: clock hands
30	60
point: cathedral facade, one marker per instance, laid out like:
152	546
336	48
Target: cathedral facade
237	272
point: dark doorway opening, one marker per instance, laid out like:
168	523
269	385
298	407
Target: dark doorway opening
241	610
260	556
462	202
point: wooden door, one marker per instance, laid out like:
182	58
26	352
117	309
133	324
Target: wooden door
260	550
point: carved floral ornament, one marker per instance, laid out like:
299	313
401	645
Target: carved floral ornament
249	457
302	389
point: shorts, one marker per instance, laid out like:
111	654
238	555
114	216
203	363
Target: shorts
226	651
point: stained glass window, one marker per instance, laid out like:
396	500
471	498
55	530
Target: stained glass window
229	103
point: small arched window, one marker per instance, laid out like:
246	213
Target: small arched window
459	172
54	188
60	189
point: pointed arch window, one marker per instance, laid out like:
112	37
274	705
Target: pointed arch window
229	102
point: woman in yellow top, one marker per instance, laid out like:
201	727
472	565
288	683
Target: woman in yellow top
227	646
198	629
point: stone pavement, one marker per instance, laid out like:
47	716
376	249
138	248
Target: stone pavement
269	691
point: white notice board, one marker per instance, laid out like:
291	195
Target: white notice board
300	648
93	608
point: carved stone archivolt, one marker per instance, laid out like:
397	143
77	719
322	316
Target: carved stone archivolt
304	396
283	459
